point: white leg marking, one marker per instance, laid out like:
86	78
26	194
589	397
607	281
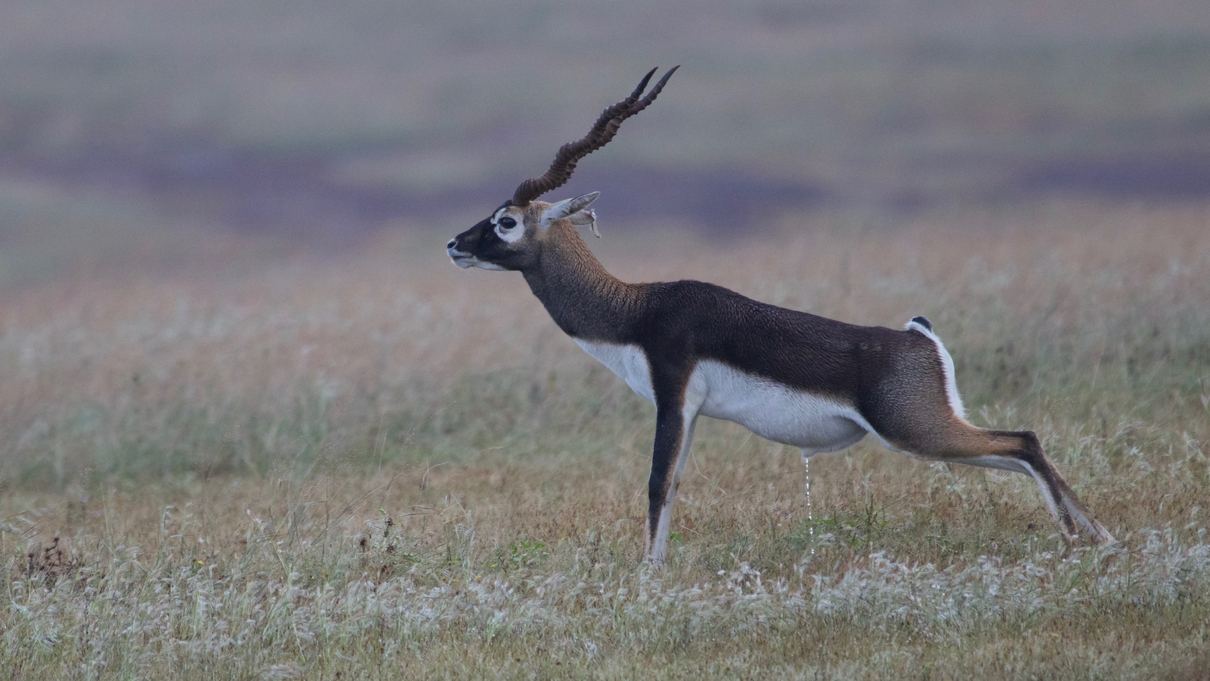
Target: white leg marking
1008	463
1092	527
1072	508
1077	514
1004	463
1047	495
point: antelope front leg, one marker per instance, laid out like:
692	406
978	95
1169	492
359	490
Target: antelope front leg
673	438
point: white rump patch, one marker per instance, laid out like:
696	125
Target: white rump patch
947	367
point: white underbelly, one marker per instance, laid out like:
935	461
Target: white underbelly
775	411
769	409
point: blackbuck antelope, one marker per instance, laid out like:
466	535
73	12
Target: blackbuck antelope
694	349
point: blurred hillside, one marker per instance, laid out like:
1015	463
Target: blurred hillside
141	133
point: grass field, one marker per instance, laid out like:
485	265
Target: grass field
377	466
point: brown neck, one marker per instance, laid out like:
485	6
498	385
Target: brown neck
585	300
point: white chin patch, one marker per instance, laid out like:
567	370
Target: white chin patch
469	261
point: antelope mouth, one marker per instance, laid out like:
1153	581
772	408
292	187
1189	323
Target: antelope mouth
460	258
463	261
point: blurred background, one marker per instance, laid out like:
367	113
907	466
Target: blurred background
143	137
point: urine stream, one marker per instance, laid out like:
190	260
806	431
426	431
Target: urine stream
806	464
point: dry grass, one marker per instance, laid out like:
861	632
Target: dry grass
380	466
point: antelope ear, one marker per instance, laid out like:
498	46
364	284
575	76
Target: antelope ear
568	207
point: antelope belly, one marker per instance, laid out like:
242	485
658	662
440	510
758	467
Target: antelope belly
775	411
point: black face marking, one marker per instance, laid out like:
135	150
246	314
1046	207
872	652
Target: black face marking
482	242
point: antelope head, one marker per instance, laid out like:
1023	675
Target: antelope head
511	238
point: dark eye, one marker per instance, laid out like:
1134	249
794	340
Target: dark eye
508	223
